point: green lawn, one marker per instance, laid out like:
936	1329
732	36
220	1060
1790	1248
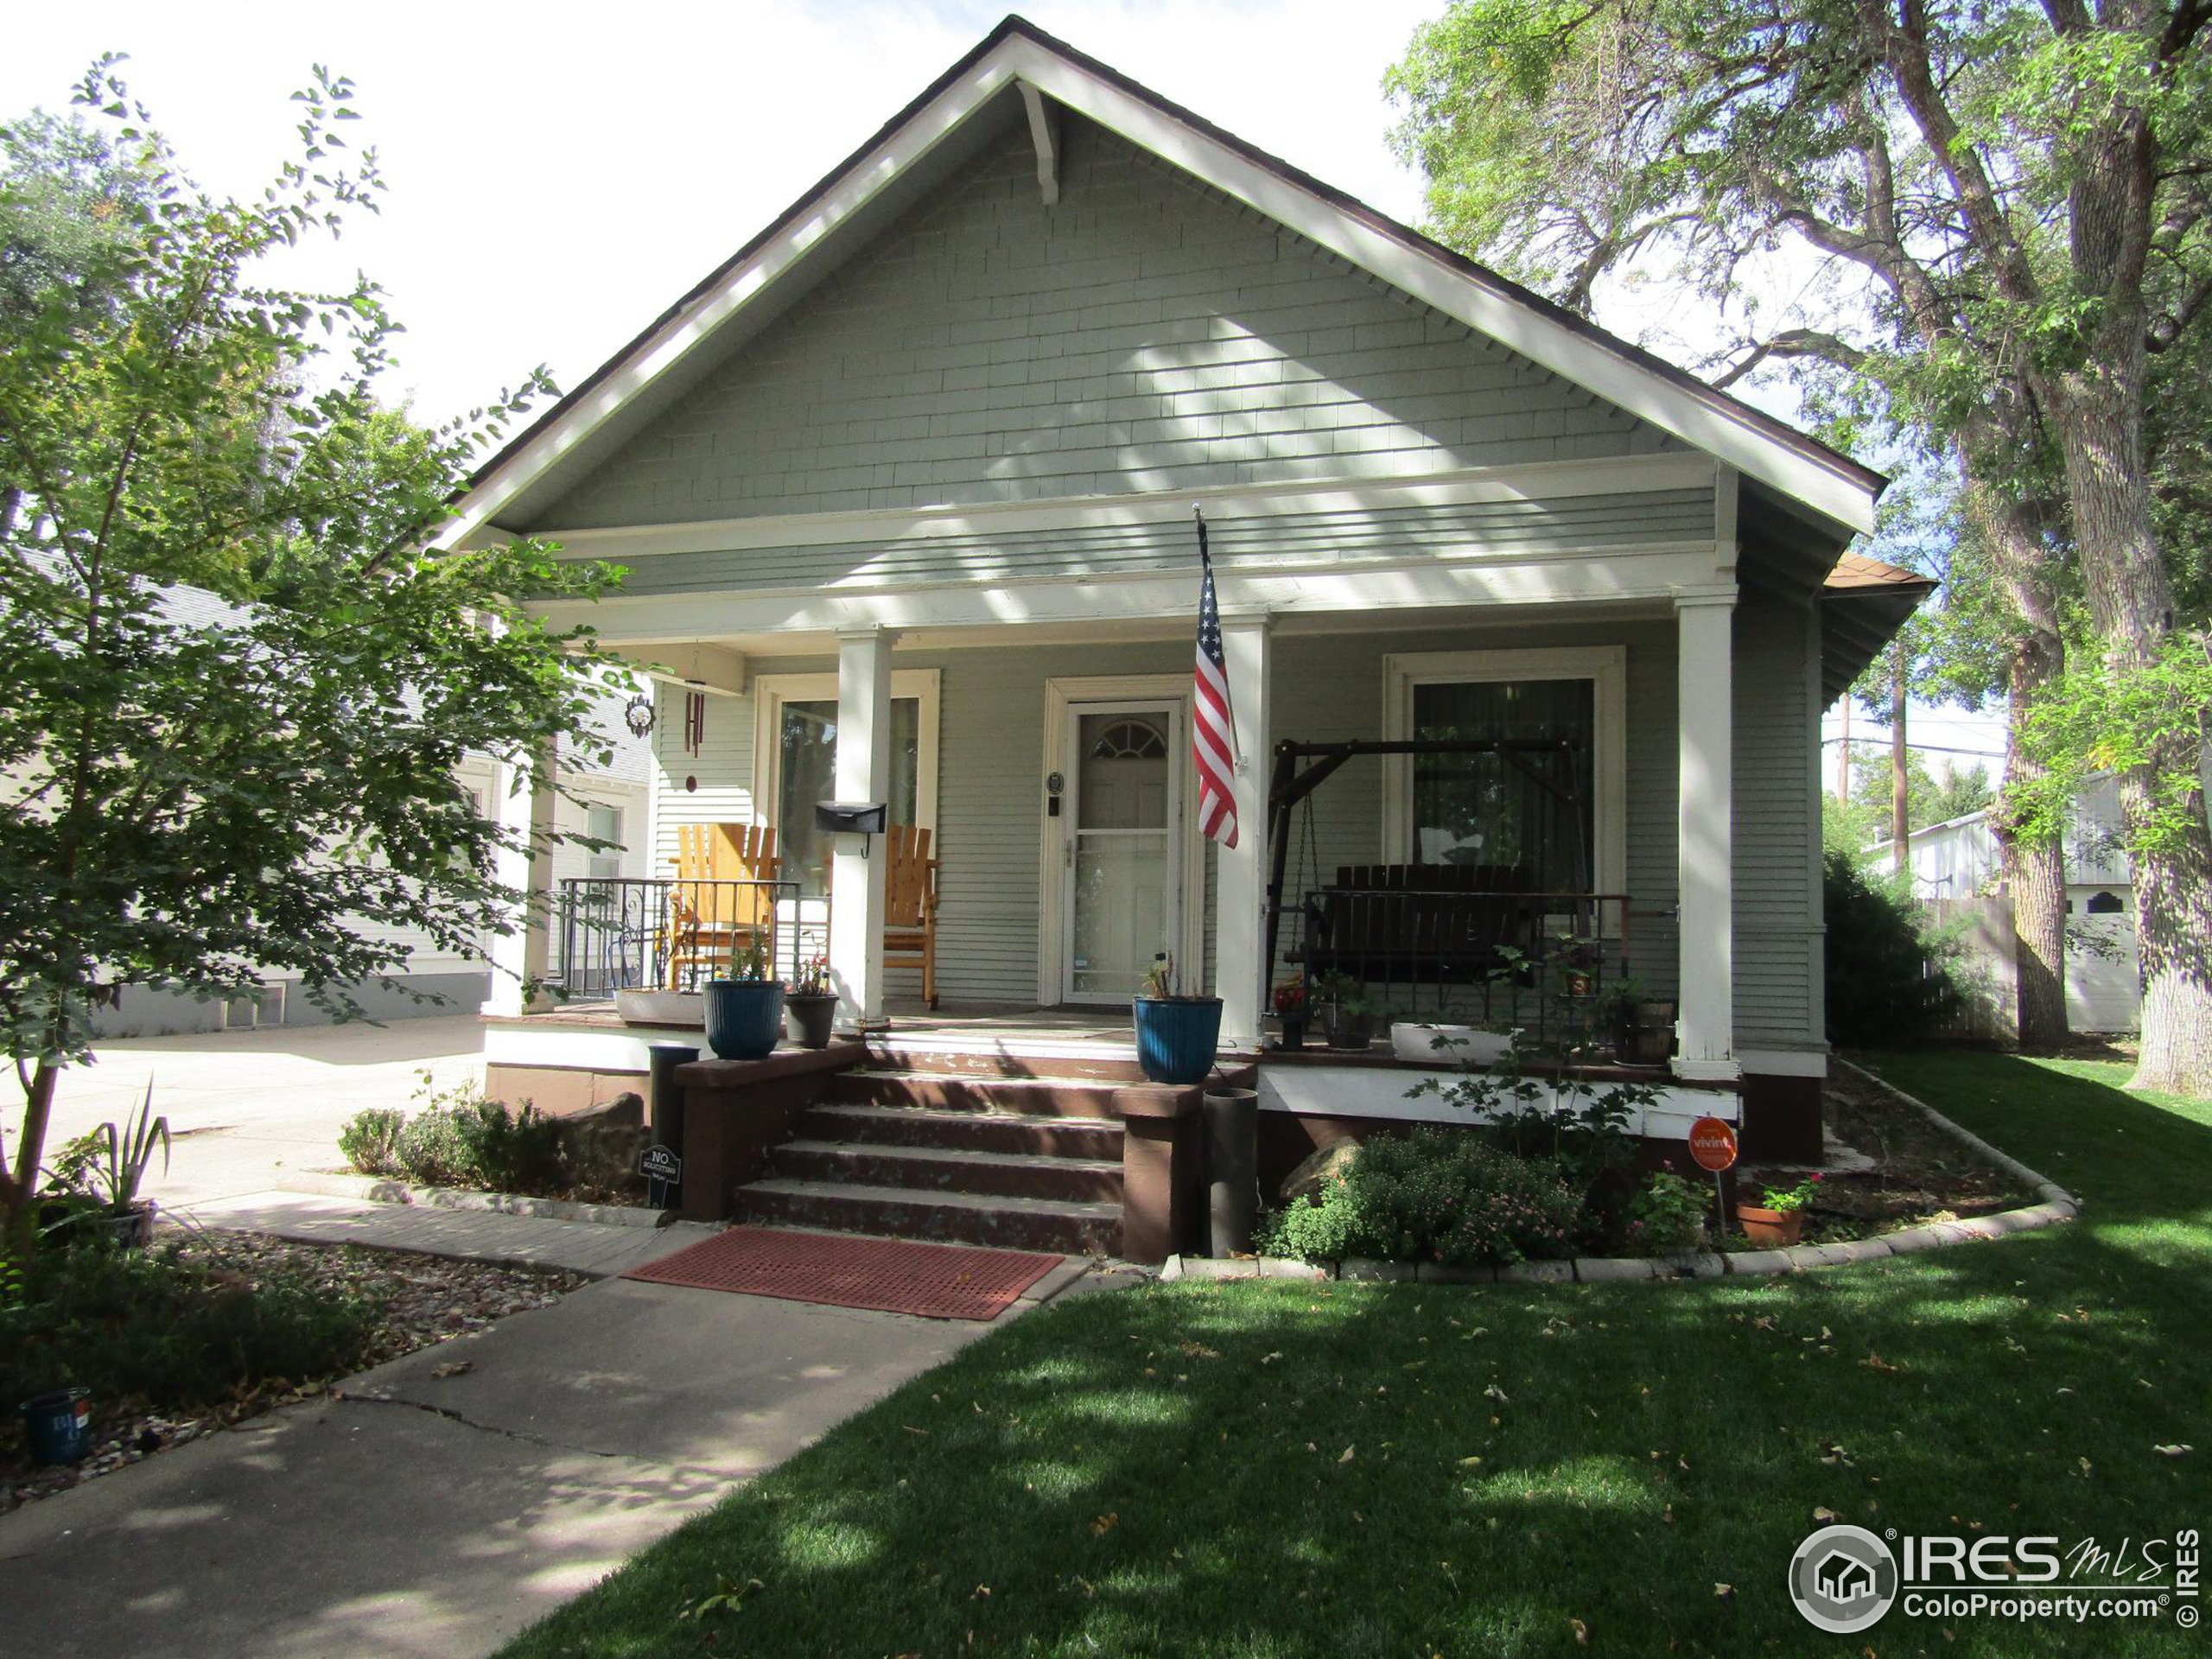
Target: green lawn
1255	1469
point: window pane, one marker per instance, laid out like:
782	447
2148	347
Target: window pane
1523	815
807	772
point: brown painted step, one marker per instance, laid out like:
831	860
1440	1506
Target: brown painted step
915	1125
1006	1174
964	1217
1115	1064
947	1091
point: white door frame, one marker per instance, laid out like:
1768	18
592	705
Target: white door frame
1056	835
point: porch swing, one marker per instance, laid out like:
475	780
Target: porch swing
1444	932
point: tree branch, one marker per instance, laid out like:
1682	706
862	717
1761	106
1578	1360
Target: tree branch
1794	342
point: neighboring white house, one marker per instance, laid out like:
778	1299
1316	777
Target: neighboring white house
610	803
907	489
1960	861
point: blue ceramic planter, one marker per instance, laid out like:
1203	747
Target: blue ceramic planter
744	1017
1176	1038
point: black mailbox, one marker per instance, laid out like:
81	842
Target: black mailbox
852	817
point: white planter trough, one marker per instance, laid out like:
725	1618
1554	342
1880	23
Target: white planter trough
652	1008
1437	1044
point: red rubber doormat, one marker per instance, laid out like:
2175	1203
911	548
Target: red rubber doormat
937	1281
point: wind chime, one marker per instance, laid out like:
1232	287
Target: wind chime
695	721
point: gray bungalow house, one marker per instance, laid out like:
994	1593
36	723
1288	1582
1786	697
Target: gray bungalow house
907	489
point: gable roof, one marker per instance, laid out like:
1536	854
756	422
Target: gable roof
923	140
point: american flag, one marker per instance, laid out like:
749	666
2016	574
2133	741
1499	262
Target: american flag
1213	726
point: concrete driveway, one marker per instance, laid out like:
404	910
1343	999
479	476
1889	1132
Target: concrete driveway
246	1107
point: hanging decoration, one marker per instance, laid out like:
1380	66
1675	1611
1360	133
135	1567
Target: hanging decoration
695	720
638	714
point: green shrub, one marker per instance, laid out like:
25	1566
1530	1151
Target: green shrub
1436	1195
146	1325
1889	980
512	1151
433	1150
1666	1217
371	1141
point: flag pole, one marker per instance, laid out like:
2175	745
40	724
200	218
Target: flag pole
1205	567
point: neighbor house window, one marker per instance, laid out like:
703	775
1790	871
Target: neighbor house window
796	765
1537	802
604	824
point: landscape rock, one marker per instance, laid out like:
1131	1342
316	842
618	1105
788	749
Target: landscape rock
604	1143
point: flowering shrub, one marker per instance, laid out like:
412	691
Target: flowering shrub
1434	1195
1666	1217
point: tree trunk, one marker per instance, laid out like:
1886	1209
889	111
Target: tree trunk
2035	871
19	1180
2097	415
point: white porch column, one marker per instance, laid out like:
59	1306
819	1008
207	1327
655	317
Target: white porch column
863	773
1704	837
523	805
1241	877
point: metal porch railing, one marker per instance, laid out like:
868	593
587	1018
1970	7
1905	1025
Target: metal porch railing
668	933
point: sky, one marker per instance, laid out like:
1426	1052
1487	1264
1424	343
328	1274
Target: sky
558	177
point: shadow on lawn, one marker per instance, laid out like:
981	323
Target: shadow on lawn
1264	1469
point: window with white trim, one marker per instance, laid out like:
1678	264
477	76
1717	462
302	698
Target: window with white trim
1537	800
795	763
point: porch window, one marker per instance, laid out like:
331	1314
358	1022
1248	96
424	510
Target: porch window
806	769
604	824
1549	815
1523	814
794	751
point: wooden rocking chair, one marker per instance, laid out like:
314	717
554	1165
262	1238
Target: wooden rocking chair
708	925
909	905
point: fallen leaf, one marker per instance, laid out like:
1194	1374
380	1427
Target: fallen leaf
1826	1517
1581	1632
452	1367
1493	1392
1469	1462
1876	1363
1725	1591
1104	1524
1270	1359
1347	1456
2173	1451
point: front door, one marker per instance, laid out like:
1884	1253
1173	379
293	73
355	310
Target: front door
1123	851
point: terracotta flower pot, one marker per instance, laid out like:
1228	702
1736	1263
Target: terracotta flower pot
1775	1228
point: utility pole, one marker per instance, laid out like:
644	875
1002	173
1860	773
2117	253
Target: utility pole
1843	757
1900	779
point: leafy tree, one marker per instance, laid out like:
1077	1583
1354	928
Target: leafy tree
2004	210
193	794
1932	794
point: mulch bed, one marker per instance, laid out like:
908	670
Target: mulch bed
1921	1173
424	1299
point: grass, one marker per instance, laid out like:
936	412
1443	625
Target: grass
1259	1470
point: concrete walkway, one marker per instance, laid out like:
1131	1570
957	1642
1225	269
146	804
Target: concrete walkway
415	1514
471	1235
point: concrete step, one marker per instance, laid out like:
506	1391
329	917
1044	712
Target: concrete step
1004	1174
1101	1061
954	1092
1072	1229
1001	1131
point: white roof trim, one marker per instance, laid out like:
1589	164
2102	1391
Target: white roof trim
1712	423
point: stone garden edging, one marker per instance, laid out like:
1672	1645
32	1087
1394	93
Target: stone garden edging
380	1190
2057	1204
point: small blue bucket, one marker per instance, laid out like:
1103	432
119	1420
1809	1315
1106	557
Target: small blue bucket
1176	1038
60	1425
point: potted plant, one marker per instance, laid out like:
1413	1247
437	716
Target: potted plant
1779	1216
811	1004
745	1012
1290	1008
1578	969
1350	1013
1643	1028
1177	1035
106	1166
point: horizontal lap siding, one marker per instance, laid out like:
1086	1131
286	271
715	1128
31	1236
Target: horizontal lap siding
1625	521
1778	990
1146	334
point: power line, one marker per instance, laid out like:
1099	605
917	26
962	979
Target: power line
1925	749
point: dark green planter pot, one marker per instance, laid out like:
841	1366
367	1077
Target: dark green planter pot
744	1017
1177	1037
813	1018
